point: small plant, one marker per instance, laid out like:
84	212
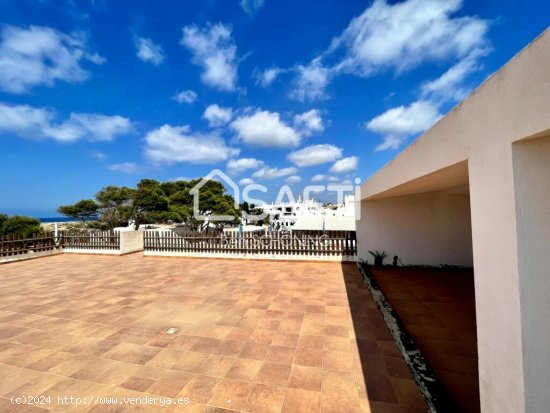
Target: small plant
378	257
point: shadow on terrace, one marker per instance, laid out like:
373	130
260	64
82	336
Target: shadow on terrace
383	377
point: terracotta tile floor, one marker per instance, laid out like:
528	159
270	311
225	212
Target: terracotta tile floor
253	336
437	307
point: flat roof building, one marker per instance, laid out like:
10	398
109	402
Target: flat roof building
474	190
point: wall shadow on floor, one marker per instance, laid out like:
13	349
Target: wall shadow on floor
383	376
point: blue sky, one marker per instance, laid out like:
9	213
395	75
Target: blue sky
105	92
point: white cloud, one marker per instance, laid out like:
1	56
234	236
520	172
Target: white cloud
315	155
403	121
126	167
181	178
398	36
97	127
251	6
40	55
243	164
25	121
310	81
265	129
397	124
170	144
450	85
403	35
309	122
266	77
185	96
293	179
274	173
324	178
217	116
345	165
246	181
148	51
39	123
98	155
391	142
214	50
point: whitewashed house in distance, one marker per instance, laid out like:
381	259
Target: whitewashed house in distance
312	215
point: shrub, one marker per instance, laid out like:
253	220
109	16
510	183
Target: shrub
19	225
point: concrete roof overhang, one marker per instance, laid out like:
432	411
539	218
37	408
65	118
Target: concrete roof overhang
454	176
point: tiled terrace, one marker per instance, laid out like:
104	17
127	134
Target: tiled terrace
437	308
253	336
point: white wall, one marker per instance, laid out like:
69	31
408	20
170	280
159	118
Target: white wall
531	163
425	229
252	256
131	241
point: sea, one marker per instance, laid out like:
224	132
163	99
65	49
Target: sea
57	219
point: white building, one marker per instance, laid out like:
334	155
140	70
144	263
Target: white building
310	214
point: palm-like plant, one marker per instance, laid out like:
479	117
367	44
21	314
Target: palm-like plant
378	257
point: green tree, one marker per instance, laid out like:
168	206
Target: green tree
182	197
19	225
182	213
180	205
3	219
244	207
152	201
214	201
254	213
85	210
250	209
148	197
225	205
172	187
115	205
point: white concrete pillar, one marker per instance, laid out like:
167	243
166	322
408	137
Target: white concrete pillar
531	163
496	280
131	241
